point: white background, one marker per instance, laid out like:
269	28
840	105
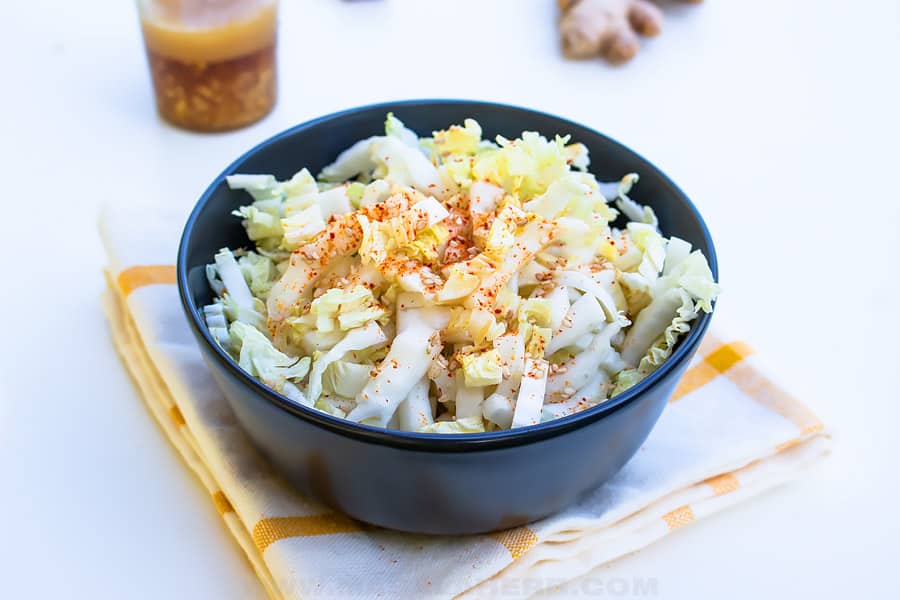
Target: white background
778	118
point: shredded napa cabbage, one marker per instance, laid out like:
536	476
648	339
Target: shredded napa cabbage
450	284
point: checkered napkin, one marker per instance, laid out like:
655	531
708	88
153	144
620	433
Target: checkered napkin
729	433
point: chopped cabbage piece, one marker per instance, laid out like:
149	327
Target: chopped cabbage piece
406	363
526	166
468	401
468	425
344	378
482	368
584	317
414	412
456	140
345	309
368	336
261	359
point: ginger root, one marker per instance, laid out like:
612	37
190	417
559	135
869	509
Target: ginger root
608	28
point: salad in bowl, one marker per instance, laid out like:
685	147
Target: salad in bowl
451	284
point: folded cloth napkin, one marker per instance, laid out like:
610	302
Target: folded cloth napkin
729	433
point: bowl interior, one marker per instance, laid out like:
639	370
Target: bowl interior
316	143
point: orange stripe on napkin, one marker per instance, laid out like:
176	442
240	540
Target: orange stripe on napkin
728	356
176	415
679	517
715	363
268	531
723	484
223	505
694	379
757	386
133	278
517	541
807	431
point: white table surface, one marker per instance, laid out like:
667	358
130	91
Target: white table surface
778	118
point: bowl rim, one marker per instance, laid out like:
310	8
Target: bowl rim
436	442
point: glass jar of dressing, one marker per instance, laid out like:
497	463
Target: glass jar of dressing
212	61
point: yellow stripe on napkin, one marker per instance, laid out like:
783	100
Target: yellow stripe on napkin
176	415
715	363
136	277
268	531
723	484
517	541
760	388
679	517
223	505
804	435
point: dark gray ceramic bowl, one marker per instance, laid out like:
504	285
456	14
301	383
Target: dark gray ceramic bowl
430	483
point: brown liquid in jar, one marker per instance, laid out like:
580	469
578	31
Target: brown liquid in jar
213	77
